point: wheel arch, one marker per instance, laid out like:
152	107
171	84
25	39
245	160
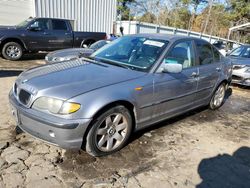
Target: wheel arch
13	39
124	103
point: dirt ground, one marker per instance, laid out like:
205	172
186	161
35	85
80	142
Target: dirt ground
203	149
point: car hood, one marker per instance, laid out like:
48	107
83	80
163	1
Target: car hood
71	78
7	27
71	52
240	60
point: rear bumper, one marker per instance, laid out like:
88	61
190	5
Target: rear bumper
65	133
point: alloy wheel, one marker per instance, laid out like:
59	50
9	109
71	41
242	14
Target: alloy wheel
13	51
219	96
111	132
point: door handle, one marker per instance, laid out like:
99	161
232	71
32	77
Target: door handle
45	33
194	74
67	33
218	69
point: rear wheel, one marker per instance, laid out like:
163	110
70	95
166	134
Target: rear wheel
218	97
110	132
12	51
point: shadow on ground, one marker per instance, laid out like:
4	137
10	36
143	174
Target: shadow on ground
9	73
34	56
225	171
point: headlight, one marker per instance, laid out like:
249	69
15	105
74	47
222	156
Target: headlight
55	106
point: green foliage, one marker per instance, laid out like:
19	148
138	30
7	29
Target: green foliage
239	9
123	8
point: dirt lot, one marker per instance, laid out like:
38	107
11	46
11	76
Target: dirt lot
200	149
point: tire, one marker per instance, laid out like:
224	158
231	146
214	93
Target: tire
12	51
218	97
18	130
109	132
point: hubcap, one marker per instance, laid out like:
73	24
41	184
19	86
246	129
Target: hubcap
111	132
219	96
13	51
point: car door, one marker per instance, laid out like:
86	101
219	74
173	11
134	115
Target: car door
210	66
63	35
175	92
38	35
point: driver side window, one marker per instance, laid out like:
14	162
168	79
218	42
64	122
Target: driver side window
182	53
41	23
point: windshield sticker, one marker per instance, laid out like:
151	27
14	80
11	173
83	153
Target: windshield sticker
154	43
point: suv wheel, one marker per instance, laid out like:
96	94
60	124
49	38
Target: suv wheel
218	97
12	51
109	132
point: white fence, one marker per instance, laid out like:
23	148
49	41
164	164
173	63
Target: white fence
134	27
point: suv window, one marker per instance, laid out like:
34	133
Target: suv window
217	55
59	25
246	53
182	53
41	23
205	53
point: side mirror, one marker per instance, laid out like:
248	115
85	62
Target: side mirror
172	68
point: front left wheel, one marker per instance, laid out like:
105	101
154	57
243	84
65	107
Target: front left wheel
109	132
12	51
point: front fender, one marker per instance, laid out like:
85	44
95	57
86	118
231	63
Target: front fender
95	100
14	39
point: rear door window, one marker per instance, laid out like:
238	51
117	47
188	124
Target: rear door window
59	25
217	55
205	53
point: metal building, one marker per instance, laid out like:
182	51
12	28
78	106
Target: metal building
88	15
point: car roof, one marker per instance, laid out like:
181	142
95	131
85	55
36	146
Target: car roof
169	37
52	18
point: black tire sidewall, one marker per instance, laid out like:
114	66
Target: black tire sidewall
12	44
91	146
211	105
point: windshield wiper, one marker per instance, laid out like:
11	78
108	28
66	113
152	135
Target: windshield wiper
113	63
93	60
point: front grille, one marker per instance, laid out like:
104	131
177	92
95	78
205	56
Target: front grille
236	78
237	67
24	97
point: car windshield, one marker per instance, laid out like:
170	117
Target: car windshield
24	23
138	53
237	51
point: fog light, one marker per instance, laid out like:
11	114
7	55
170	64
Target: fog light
52	134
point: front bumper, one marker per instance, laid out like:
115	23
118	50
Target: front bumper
65	133
240	77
